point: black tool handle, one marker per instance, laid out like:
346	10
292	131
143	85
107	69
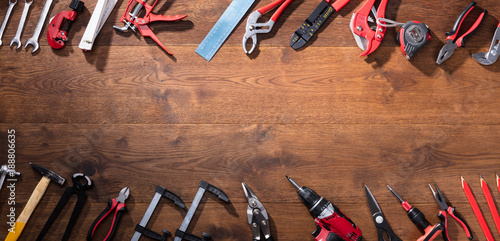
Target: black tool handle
418	218
453	33
98	220
120	208
74	215
384	227
59	207
461	41
453	213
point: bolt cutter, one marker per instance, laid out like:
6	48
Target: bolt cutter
253	28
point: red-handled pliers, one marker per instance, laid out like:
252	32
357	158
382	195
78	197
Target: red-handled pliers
451	45
253	28
118	205
447	209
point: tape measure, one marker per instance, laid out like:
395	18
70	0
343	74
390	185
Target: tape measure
222	28
412	36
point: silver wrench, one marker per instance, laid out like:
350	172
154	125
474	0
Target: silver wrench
6	19
34	39
17	39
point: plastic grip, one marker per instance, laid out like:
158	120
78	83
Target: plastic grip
461	41
280	10
102	216
339	4
461	221
116	219
453	33
269	6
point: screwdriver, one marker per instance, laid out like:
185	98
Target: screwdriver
418	218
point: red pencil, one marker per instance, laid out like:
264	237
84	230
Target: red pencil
476	210
491	203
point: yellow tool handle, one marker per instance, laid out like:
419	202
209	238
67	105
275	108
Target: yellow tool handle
21	221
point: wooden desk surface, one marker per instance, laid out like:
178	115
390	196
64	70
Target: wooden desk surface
129	115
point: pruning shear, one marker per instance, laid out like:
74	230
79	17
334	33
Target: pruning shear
368	37
118	205
257	216
132	20
451	45
253	28
447	209
379	218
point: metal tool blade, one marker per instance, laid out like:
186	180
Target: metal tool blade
360	41
446	51
311	25
492	55
372	202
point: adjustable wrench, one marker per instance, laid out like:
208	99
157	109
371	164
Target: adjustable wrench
17	39
6	19
34	39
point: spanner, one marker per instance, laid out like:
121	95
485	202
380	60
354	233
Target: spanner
34	39
6	19
17	39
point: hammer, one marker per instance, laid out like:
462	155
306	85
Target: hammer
47	176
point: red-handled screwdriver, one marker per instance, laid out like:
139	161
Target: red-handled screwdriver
418	218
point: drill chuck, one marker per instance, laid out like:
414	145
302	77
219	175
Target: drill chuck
314	202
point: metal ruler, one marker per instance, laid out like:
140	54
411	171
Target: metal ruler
222	28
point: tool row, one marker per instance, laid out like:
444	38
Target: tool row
368	25
331	223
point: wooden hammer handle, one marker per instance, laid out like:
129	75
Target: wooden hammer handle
35	198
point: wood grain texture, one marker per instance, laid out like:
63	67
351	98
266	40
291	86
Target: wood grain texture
129	115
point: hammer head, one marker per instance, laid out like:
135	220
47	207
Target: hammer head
49	174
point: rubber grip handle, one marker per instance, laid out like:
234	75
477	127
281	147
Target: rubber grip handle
339	4
102	216
444	219
453	33
461	221
280	10
269	6
120	208
461	41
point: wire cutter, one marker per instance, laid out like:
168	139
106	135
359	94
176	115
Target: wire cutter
379	218
257	216
118	205
447	209
78	188
253	28
132	21
451	45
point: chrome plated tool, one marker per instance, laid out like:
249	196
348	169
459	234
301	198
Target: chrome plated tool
17	38
257	216
6	18
4	170
492	55
39	26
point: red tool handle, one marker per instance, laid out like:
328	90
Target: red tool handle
280	10
155	18
491	203
431	232
461	221
269	6
339	4
461	41
112	205
476	210
458	23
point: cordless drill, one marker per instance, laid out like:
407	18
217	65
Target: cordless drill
331	223
418	218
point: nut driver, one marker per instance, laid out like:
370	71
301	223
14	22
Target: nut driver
181	234
141	229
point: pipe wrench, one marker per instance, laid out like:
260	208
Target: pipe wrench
132	20
368	37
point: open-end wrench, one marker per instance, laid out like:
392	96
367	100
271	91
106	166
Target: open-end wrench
17	39
6	19
34	39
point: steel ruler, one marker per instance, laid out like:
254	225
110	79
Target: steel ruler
223	28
